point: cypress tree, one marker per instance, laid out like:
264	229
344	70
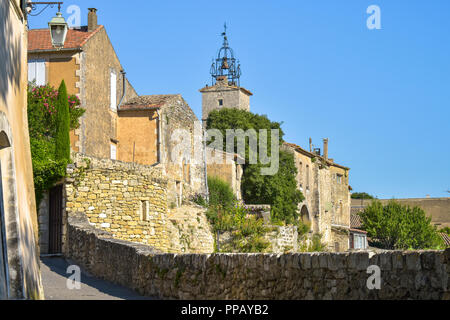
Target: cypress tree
62	137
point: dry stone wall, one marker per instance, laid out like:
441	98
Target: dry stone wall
404	275
129	201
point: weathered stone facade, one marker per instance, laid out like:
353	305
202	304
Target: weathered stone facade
404	275
228	170
224	95
130	202
327	197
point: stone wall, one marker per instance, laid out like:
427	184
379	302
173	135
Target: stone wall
130	202
404	275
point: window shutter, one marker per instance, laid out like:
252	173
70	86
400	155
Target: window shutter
113	91
36	72
113	152
40	73
31	70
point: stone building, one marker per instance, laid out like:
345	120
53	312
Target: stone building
173	139
324	184
19	265
118	124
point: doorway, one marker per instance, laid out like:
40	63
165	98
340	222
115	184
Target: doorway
55	220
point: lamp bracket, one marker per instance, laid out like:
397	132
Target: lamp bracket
32	6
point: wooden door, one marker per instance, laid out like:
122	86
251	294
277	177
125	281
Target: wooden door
55	220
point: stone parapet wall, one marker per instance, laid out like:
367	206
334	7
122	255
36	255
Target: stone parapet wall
129	201
404	275
125	199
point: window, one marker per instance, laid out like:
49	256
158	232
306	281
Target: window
113	91
220	102
339	178
36	72
307	177
145	210
113	151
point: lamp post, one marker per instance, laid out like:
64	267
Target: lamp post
58	25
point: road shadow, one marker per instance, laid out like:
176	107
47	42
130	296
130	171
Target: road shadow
59	266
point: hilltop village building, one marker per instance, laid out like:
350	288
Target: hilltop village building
323	182
19	265
118	124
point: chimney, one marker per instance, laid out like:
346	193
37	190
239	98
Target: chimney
325	148
310	145
92	19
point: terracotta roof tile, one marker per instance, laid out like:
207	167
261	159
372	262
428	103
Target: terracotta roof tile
39	39
148	102
446	238
355	221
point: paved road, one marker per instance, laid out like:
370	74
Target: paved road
54	278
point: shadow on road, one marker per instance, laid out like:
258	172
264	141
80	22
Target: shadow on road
54	278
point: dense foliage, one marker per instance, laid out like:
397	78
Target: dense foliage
42	123
395	226
278	190
226	214
220	194
362	195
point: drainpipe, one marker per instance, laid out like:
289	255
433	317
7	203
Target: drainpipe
124	91
158	125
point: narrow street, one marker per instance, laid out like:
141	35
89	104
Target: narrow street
54	279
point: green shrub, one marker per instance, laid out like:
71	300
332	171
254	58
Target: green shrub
220	193
395	226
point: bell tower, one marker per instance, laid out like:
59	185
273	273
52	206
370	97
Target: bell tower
225	90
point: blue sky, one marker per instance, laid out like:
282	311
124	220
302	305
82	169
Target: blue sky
380	96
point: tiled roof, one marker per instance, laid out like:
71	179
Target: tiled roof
227	85
39	39
355	221
148	102
446	238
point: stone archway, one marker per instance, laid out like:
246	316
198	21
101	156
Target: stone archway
12	262
304	216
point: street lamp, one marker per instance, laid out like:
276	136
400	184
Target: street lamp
58	30
58	25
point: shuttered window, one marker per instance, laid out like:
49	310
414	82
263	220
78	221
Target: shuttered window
36	72
113	91
113	152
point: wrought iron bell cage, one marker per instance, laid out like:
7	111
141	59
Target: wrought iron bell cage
226	65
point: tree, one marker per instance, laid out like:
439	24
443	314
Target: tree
362	195
278	190
62	137
396	226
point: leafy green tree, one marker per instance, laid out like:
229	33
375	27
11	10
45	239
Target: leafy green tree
396	226
362	195
279	190
62	137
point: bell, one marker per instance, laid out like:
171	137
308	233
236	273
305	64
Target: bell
225	64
